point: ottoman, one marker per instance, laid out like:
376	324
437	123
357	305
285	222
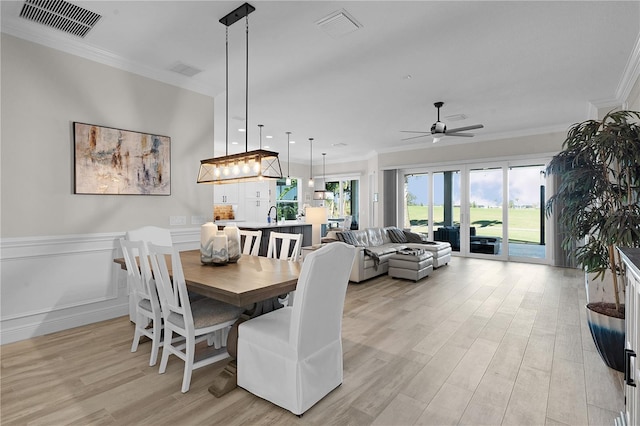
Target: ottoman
411	264
441	251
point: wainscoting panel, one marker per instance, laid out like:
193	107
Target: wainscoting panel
50	284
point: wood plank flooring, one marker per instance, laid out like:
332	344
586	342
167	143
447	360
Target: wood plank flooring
478	342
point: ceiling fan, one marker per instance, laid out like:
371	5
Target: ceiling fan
439	129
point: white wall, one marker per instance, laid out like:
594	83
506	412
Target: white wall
43	92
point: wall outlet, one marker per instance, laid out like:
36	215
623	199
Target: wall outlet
198	220
177	220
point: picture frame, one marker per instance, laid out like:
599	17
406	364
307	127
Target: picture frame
111	161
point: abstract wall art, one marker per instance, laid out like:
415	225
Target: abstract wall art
120	162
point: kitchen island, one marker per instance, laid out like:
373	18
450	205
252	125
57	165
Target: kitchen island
287	227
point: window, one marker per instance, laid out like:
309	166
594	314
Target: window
287	199
343	200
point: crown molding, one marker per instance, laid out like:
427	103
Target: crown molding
630	74
84	49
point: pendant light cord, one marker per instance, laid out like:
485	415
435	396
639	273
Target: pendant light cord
246	93
226	118
288	148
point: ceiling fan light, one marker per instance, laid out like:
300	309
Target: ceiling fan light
436	139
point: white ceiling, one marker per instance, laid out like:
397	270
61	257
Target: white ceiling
521	67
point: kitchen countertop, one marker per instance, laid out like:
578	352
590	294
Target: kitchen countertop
263	225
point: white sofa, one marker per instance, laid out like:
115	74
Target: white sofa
376	245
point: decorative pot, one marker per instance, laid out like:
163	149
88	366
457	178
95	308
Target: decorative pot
608	336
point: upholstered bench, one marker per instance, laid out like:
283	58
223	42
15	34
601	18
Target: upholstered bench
411	264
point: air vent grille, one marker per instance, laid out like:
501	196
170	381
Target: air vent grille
338	24
61	15
184	69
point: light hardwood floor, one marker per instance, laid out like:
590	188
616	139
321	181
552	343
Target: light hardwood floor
478	342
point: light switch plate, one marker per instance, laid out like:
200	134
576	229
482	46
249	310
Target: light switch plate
177	220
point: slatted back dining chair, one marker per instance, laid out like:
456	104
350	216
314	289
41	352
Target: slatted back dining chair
195	321
144	296
282	242
293	356
252	241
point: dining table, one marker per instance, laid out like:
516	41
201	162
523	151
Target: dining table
253	282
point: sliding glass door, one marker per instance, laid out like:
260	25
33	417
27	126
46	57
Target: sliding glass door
432	205
486	202
489	211
527	229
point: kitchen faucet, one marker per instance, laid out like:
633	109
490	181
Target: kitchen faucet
269	214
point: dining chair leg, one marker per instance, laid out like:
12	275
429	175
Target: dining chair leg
137	333
155	345
188	362
168	336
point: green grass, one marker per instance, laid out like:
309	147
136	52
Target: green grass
524	224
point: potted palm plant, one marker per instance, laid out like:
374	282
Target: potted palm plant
597	206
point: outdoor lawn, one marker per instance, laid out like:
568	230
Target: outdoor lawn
524	223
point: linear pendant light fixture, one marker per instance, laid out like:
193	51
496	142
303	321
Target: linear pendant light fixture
249	165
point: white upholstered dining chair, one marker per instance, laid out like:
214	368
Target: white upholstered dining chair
280	246
195	321
144	295
293	356
252	241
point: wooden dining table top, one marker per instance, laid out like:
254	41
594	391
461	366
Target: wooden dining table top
251	280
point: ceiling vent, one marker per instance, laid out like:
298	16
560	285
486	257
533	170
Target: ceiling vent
338	24
184	69
455	117
60	15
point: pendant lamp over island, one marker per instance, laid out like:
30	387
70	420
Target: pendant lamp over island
322	194
288	181
310	184
249	165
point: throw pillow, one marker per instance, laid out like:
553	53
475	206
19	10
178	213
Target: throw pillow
347	237
413	237
396	235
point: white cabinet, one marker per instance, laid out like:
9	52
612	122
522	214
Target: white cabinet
257	200
228	193
257	190
631	259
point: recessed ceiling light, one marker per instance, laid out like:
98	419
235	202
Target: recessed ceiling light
241	130
269	137
234	143
407	77
267	147
292	141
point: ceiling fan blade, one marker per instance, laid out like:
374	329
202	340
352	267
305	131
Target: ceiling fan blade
466	135
415	131
462	129
415	137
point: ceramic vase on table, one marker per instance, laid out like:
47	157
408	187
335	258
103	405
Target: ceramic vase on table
213	245
233	240
220	249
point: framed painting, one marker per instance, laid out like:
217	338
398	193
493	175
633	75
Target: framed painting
120	162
